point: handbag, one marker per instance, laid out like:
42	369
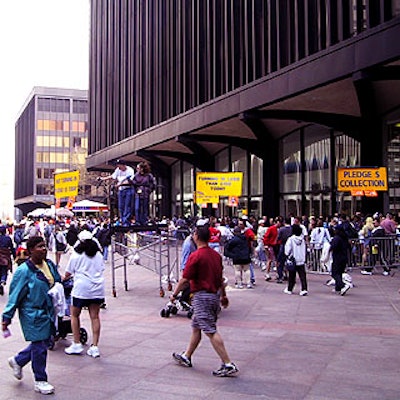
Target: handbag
290	263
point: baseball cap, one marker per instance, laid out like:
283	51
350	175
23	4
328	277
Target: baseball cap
202	222
85	235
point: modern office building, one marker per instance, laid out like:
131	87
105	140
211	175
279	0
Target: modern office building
284	91
51	136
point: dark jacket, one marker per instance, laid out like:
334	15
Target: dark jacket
104	236
144	184
238	249
340	247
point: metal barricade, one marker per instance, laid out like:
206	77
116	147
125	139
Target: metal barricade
373	252
156	252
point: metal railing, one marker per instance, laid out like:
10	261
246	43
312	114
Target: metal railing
374	252
158	253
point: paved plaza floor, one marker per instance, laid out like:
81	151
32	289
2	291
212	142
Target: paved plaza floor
322	346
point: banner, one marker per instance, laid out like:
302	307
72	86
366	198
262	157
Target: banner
219	183
201	198
366	179
66	184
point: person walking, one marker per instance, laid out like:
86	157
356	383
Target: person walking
29	289
204	272
60	243
238	250
7	251
340	248
87	267
296	246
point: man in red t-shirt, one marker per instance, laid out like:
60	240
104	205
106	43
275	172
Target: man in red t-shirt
204	273
271	244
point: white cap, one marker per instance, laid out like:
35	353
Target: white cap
202	222
85	235
245	217
261	221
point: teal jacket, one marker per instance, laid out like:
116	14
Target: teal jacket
29	294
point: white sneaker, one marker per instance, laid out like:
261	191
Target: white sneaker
44	387
287	291
364	272
385	273
75	348
93	351
303	293
17	369
344	290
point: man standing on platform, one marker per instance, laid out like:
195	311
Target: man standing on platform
123	174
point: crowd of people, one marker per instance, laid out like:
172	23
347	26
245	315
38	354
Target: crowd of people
276	245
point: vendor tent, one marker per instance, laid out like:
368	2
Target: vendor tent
88	206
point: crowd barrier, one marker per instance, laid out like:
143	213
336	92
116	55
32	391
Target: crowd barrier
373	253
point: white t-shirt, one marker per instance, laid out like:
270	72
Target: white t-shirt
88	275
120	175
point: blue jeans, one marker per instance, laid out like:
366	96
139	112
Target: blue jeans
141	210
36	352
3	273
105	253
125	205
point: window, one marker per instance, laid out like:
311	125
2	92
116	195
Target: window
80	107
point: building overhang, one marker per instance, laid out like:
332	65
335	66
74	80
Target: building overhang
321	89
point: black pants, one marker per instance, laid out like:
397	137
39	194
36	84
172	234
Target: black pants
337	271
301	270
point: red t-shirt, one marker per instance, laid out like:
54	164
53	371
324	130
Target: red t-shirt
215	235
204	270
271	236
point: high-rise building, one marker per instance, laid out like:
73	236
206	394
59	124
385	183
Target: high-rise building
284	91
51	136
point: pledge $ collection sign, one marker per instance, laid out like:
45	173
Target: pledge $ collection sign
362	179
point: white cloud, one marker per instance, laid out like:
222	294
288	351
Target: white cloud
43	43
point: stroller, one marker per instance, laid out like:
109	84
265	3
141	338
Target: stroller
63	324
182	303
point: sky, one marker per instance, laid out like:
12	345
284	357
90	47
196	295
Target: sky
42	43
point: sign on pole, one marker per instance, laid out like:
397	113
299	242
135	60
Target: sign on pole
362	179
66	184
219	183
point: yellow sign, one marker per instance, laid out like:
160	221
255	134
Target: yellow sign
219	183
349	179
66	184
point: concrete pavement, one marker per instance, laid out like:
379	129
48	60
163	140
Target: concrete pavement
322	346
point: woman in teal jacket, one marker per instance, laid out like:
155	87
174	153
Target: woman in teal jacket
29	294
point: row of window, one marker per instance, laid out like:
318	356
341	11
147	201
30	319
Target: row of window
64	126
62	105
61	141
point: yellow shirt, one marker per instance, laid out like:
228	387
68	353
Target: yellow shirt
46	272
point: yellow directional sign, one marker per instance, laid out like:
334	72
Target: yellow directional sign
66	184
366	179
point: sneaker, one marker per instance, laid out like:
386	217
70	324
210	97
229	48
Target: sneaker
263	267
279	281
344	290
44	387
17	369
267	277
182	359
303	293
75	348
364	272
239	286
250	286
287	291
330	282
226	370
385	273
93	351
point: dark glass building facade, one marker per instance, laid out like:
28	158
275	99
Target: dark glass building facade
284	91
